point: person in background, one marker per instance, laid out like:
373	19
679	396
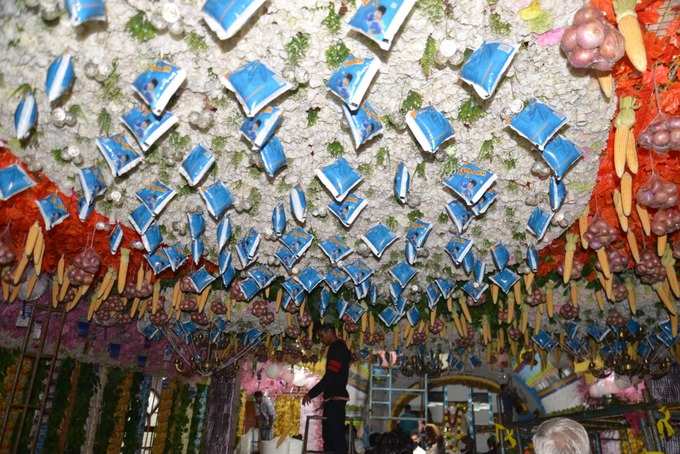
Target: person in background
264	415
408	426
492	444
434	442
333	385
561	436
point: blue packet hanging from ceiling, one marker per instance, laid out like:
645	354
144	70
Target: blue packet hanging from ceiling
544	340
287	258
293	289
446	287
152	238
260	128
158	84
475	290
537	123
364	123
224	260
400	303
469	261
484	203
279	219
413	316
341	307
246	247
297	240
373	294
25	116
459	214
115	239
504	279
251	336
357	270
13	180
433	295
228	276
309	278
576	347
156	196
223	232
249	288
538	223
646	347
85	209
336	278
324	301
380	21
501	256
255	86
389	316
335	249
403	273
560	154
349	209
196	223
361	290
197	250
351	81
141	218
402	183
226	17
470	182
81	11
118	153
419	232
478	271
60	76
597	332
273	157
175	255
262	275
458	249
217	198
532	258
378	238
158	262
486	66
557	192
196	164
146	127
339	178
430	128
298	204
200	279
571	329
410	252
395	291
53	210
355	312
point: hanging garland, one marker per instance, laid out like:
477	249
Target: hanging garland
62	387
131	438
109	403
179	420
85	389
120	415
41	375
7	386
287	421
164	409
196	428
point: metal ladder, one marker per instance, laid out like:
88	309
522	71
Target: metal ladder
382	381
36	357
305	438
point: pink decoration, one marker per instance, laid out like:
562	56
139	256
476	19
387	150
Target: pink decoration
551	37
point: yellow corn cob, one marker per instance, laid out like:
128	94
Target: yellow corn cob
102	285
76	299
279	297
61	267
371	324
465	309
674	325
524	320
15	293
529	281
604	262
573	294
456	323
364	323
665	297
549	302
661	242
511	308
122	269
632	243
449	304
668	263
517	291
631	153
134	306
64	288
227	302
30	285
409	335
629	27
32	237
513	348
156	296
19	270
38	253
140	277
620	136
583	228
203	298
644	218
630	295
627	192
538	321
618	207
501	339
599	298
433	316
494	293
569	249
606	82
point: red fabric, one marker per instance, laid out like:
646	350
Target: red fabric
334	366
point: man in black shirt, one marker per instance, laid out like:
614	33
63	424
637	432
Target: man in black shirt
333	385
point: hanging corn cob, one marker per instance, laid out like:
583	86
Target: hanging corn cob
517	291
529	281
604	262
626	193
632	243
569	250
156	296
573	294
663	291
203	298
511	307
583	227
630	295
599	298
668	263
31	239
632	34
122	269
624	140
606	82
549	303
661	243
618	207
644	218
61	268
494	293
464	307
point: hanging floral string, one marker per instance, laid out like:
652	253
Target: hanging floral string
138	401
85	389
179	420
120	415
62	386
110	399
164	409
287	421
197	419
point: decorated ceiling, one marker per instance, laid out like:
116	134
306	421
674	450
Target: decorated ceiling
418	172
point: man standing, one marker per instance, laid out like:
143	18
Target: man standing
333	385
264	415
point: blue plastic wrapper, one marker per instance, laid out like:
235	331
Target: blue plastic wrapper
433	295
335	249
501	256
262	275
118	153
224	260
504	279
146	127
279	219
478	271
459	214
419	232
25	116
201	278
430	128
53	210
260	128
297	240
255	86
156	196
538	223
350	208
81	11
339	178
158	262
402	183
446	287
223	232
395	291
475	290
115	239
197	250
249	288
293	288
486	66
373	294
273	157
557	192
544	340
378	238
470	182
484	203
380	21
141	218
458	249
60	76
152	238
85	209
196	164
357	270
298	204
246	247
361	290
403	273
175	256
228	276
13	180
217	198
400	304
226	17
324	301
309	278
532	258
537	123
336	278
355	311
389	316
469	261
410	252
196	223
364	123
287	258
341	307
351	81
560	154
413	316
158	84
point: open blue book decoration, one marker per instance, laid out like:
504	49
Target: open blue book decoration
339	178
378	238
246	247
446	287
410	252
470	182
389	316
475	290
249	288
486	66
357	270
158	84
413	316
152	238
459	214
223	232
260	128
433	295
175	255
484	203
196	223
118	153
141	218
351	81
557	192
430	128
226	17
309	278
532	258
60	76
501	256
197	250
349	209
255	86
364	123
419	232
380	21
115	239
196	164
262	275
81	11
13	180
293	289
458	249
297	241
505	279
85	209
158	262
279	219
